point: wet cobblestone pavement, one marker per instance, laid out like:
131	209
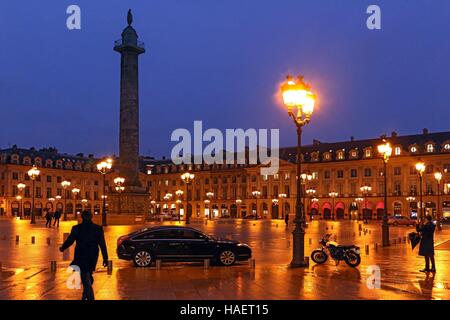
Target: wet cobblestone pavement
26	272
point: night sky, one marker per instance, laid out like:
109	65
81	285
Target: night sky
221	61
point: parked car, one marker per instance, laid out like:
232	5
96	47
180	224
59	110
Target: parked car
401	221
178	243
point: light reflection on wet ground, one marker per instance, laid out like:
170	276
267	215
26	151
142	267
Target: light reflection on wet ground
26	266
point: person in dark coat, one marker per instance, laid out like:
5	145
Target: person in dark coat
89	237
56	218
426	247
286	219
48	219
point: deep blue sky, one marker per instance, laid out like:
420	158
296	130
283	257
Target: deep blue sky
220	61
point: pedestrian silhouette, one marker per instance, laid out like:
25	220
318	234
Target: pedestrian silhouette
88	237
48	218
426	247
286	219
56	218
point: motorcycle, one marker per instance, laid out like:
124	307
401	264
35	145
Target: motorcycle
350	254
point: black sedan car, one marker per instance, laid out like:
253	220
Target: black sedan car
179	244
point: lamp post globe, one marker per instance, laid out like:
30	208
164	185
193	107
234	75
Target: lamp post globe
385	150
299	102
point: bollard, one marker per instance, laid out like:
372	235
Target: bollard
367	249
360	226
331	227
33	240
310	241
370	231
252	263
376	246
206	263
307	261
48	241
53	266
360	233
17	239
158	264
110	267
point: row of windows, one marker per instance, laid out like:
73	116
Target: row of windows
59	164
50	193
48	178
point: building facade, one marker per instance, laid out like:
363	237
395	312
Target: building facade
227	190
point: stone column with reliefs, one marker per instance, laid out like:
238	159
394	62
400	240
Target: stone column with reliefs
134	199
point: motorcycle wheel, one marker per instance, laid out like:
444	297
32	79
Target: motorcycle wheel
352	259
319	257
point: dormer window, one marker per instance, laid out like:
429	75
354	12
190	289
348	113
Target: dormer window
447	147
38	161
430	147
27	161
48	163
413	149
398	151
340	155
368	153
354	154
315	156
327	156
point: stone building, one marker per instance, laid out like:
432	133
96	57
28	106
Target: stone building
341	167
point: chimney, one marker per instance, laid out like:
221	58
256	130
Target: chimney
394	134
316	142
352	138
425	131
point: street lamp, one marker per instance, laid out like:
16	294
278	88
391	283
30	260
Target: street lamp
75	192
410	199
297	95
438	177
104	167
84	203
385	150
33	173
179	194
167	197
65	184
359	200
239	202
420	167
333	195
187	179
310	192
21	187
365	190
209	195
118	182
207	201
281	196
256	195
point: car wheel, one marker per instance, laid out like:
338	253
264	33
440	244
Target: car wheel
142	259
227	257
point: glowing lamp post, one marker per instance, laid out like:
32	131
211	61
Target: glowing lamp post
65	184
33	173
438	177
20	187
187	179
104	167
385	150
179	194
420	168
75	192
410	199
297	95
333	195
118	182
256	195
209	196
238	203
281	196
365	190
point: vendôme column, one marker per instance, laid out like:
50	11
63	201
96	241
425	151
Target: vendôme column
134	199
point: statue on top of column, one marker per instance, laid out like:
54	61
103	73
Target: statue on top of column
130	17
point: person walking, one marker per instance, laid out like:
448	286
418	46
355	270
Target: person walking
286	219
56	218
88	237
48	218
426	247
